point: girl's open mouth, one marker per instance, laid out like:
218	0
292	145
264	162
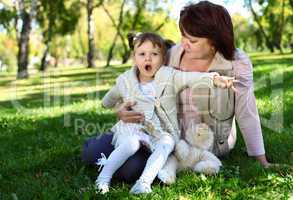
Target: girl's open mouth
148	68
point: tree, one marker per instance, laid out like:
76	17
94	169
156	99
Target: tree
25	12
118	30
272	19
7	14
22	13
142	21
135	18
56	18
90	24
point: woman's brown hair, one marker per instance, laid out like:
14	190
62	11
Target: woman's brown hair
212	21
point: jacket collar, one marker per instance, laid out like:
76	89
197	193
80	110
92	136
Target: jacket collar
218	63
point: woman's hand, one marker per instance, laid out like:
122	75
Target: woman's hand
267	165
263	161
127	115
224	82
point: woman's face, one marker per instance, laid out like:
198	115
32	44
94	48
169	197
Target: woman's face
197	47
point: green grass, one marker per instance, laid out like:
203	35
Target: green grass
40	142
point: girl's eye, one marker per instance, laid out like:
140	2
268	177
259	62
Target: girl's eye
155	54
193	41
141	54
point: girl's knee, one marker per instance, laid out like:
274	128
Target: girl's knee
131	145
167	143
167	140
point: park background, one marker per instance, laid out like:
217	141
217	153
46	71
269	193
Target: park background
57	60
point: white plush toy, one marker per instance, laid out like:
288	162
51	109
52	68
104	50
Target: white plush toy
192	153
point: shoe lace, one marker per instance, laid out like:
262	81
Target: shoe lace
101	161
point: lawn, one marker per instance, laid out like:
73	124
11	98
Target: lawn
45	120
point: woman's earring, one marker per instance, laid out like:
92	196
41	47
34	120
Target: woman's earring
214	49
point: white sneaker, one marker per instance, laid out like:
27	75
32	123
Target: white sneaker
141	187
102	187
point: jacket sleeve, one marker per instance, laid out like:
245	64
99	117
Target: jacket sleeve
112	97
246	112
192	79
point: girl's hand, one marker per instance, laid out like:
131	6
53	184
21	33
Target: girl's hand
127	115
224	82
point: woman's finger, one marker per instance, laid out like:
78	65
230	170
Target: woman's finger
129	104
135	119
229	84
234	89
132	117
132	114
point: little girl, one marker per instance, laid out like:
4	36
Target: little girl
153	87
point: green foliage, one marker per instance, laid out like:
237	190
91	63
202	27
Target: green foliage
8	49
61	16
64	24
6	16
274	19
40	154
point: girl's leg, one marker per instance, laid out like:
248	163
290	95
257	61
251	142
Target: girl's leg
95	146
155	162
115	161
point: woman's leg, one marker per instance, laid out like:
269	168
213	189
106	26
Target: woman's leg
94	146
155	162
131	170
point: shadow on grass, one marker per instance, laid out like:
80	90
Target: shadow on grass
277	61
31	136
39	153
42	100
103	74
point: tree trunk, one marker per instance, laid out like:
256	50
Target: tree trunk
43	66
139	8
23	47
23	42
110	54
47	43
281	28
23	38
268	42
90	32
125	56
56	61
118	33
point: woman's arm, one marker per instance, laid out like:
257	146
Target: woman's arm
246	112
